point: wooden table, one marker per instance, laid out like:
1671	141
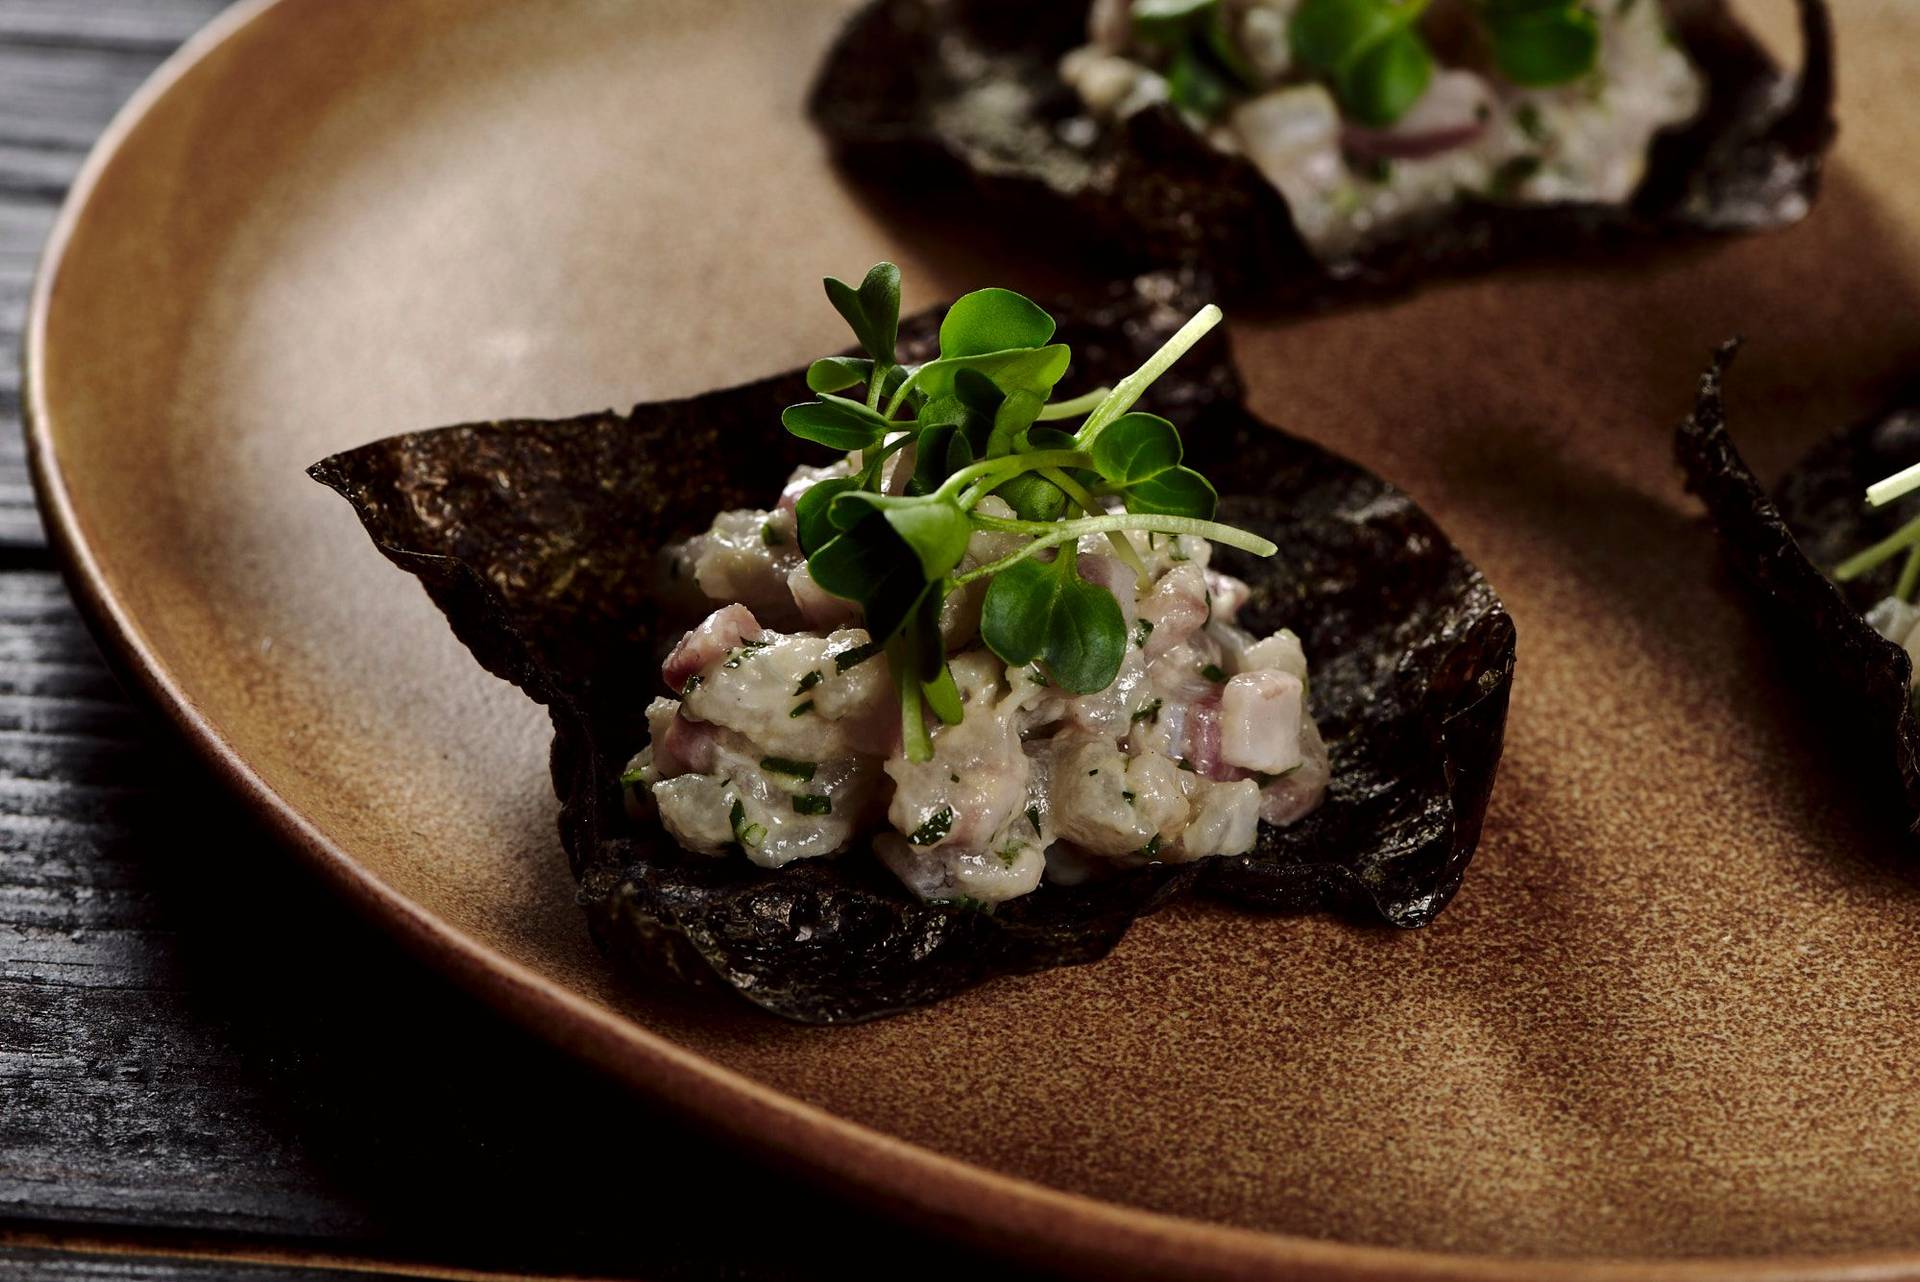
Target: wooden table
208	1067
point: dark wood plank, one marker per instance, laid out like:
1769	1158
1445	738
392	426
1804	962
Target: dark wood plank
65	67
19	1264
194	1036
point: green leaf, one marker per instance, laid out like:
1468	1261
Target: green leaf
1368	51
1549	45
837	373
1034	369
1033	498
811	521
992	320
1180	491
872	311
935	529
1329	36
837	423
1194	84
1136	447
1016	414
1038	610
872	565
1386	82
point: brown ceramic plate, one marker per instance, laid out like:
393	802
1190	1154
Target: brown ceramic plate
1671	1026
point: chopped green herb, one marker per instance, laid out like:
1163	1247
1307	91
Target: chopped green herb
1508	178
1142	629
1035	675
1033	817
1214	673
1146	710
1527	116
801	709
631	777
859	654
1091	773
788	766
749	835
1187	766
771	536
1010	853
936	826
746	651
1126	796
813	805
1152	847
808	682
694	682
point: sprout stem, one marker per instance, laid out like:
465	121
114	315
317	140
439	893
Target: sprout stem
1122	546
1075	407
1859	563
1053	533
1130	388
1909	575
1903	482
992	473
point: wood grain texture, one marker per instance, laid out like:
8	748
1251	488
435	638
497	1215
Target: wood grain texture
65	68
195	1036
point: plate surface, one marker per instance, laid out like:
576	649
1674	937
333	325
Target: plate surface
1672	1019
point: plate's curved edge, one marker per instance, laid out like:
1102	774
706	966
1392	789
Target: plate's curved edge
1036	1222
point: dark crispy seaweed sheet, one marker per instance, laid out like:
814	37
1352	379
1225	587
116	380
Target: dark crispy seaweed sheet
540	539
898	97
1817	517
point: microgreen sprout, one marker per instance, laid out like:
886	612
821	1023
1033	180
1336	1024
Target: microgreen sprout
1370	53
1905	539
969	424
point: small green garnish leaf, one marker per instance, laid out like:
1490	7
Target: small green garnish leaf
691	684
835	422
808	682
1136	447
802	770
801	709
872	311
1038	610
1214	673
1033	817
632	777
1179	491
1142	629
747	834
1147	710
746	651
857	655
819	804
1541	43
772	536
993	320
1369	53
936	826
1152	847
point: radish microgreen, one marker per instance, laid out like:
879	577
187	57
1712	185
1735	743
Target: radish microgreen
972	419
1370	53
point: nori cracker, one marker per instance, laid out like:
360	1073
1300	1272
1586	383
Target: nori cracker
1818	516
934	95
541	541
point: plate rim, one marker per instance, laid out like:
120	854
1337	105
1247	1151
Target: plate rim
1036	1222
